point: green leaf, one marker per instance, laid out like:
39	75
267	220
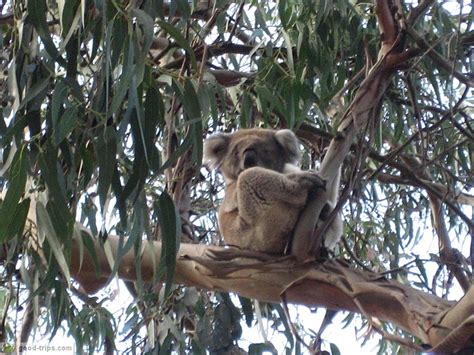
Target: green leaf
34	91
144	20
58	100
37	13
184	9
16	186
117	31
58	208
334	349
68	15
142	39
167	345
134	239
46	230
84	239
247	309
97	32
262	348
66	124
284	12
288	333
122	89
191	101
154	109
17	224
187	143
170	227
48	280
180	40
421	267
154	117
197	143
58	307
106	157
192	108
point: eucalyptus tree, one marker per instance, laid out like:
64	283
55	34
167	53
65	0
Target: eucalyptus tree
105	106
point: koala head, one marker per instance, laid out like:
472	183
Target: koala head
246	148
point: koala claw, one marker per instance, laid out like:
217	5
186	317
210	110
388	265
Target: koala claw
308	180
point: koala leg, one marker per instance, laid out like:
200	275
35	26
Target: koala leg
334	230
334	233
260	190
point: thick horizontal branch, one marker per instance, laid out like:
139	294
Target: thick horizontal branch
330	284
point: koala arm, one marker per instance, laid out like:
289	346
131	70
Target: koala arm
260	189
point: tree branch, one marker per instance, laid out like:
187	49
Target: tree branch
358	116
447	254
438	58
458	197
332	284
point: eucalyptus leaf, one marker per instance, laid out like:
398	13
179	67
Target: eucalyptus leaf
106	157
46	230
12	213
182	42
170	227
37	11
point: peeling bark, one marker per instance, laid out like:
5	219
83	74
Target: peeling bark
444	325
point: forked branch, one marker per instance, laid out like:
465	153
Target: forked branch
357	117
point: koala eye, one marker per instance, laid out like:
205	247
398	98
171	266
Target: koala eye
250	158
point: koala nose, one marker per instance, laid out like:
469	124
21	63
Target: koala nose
250	158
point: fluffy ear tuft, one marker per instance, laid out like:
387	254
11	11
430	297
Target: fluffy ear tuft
289	141
215	148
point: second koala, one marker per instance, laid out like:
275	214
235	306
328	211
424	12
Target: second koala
265	189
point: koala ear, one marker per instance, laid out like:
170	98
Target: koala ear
215	148
289	142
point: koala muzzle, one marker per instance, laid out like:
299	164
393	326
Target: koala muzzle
250	158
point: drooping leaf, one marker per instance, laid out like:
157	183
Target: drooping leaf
170	227
182	42
57	206
58	100
46	230
66	124
247	310
37	12
334	349
13	214
106	158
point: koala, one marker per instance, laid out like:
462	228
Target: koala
265	189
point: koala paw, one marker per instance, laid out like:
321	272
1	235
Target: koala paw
308	179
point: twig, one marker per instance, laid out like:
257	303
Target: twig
438	58
418	11
237	20
292	325
391	155
384	334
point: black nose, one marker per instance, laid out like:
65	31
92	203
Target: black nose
250	158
